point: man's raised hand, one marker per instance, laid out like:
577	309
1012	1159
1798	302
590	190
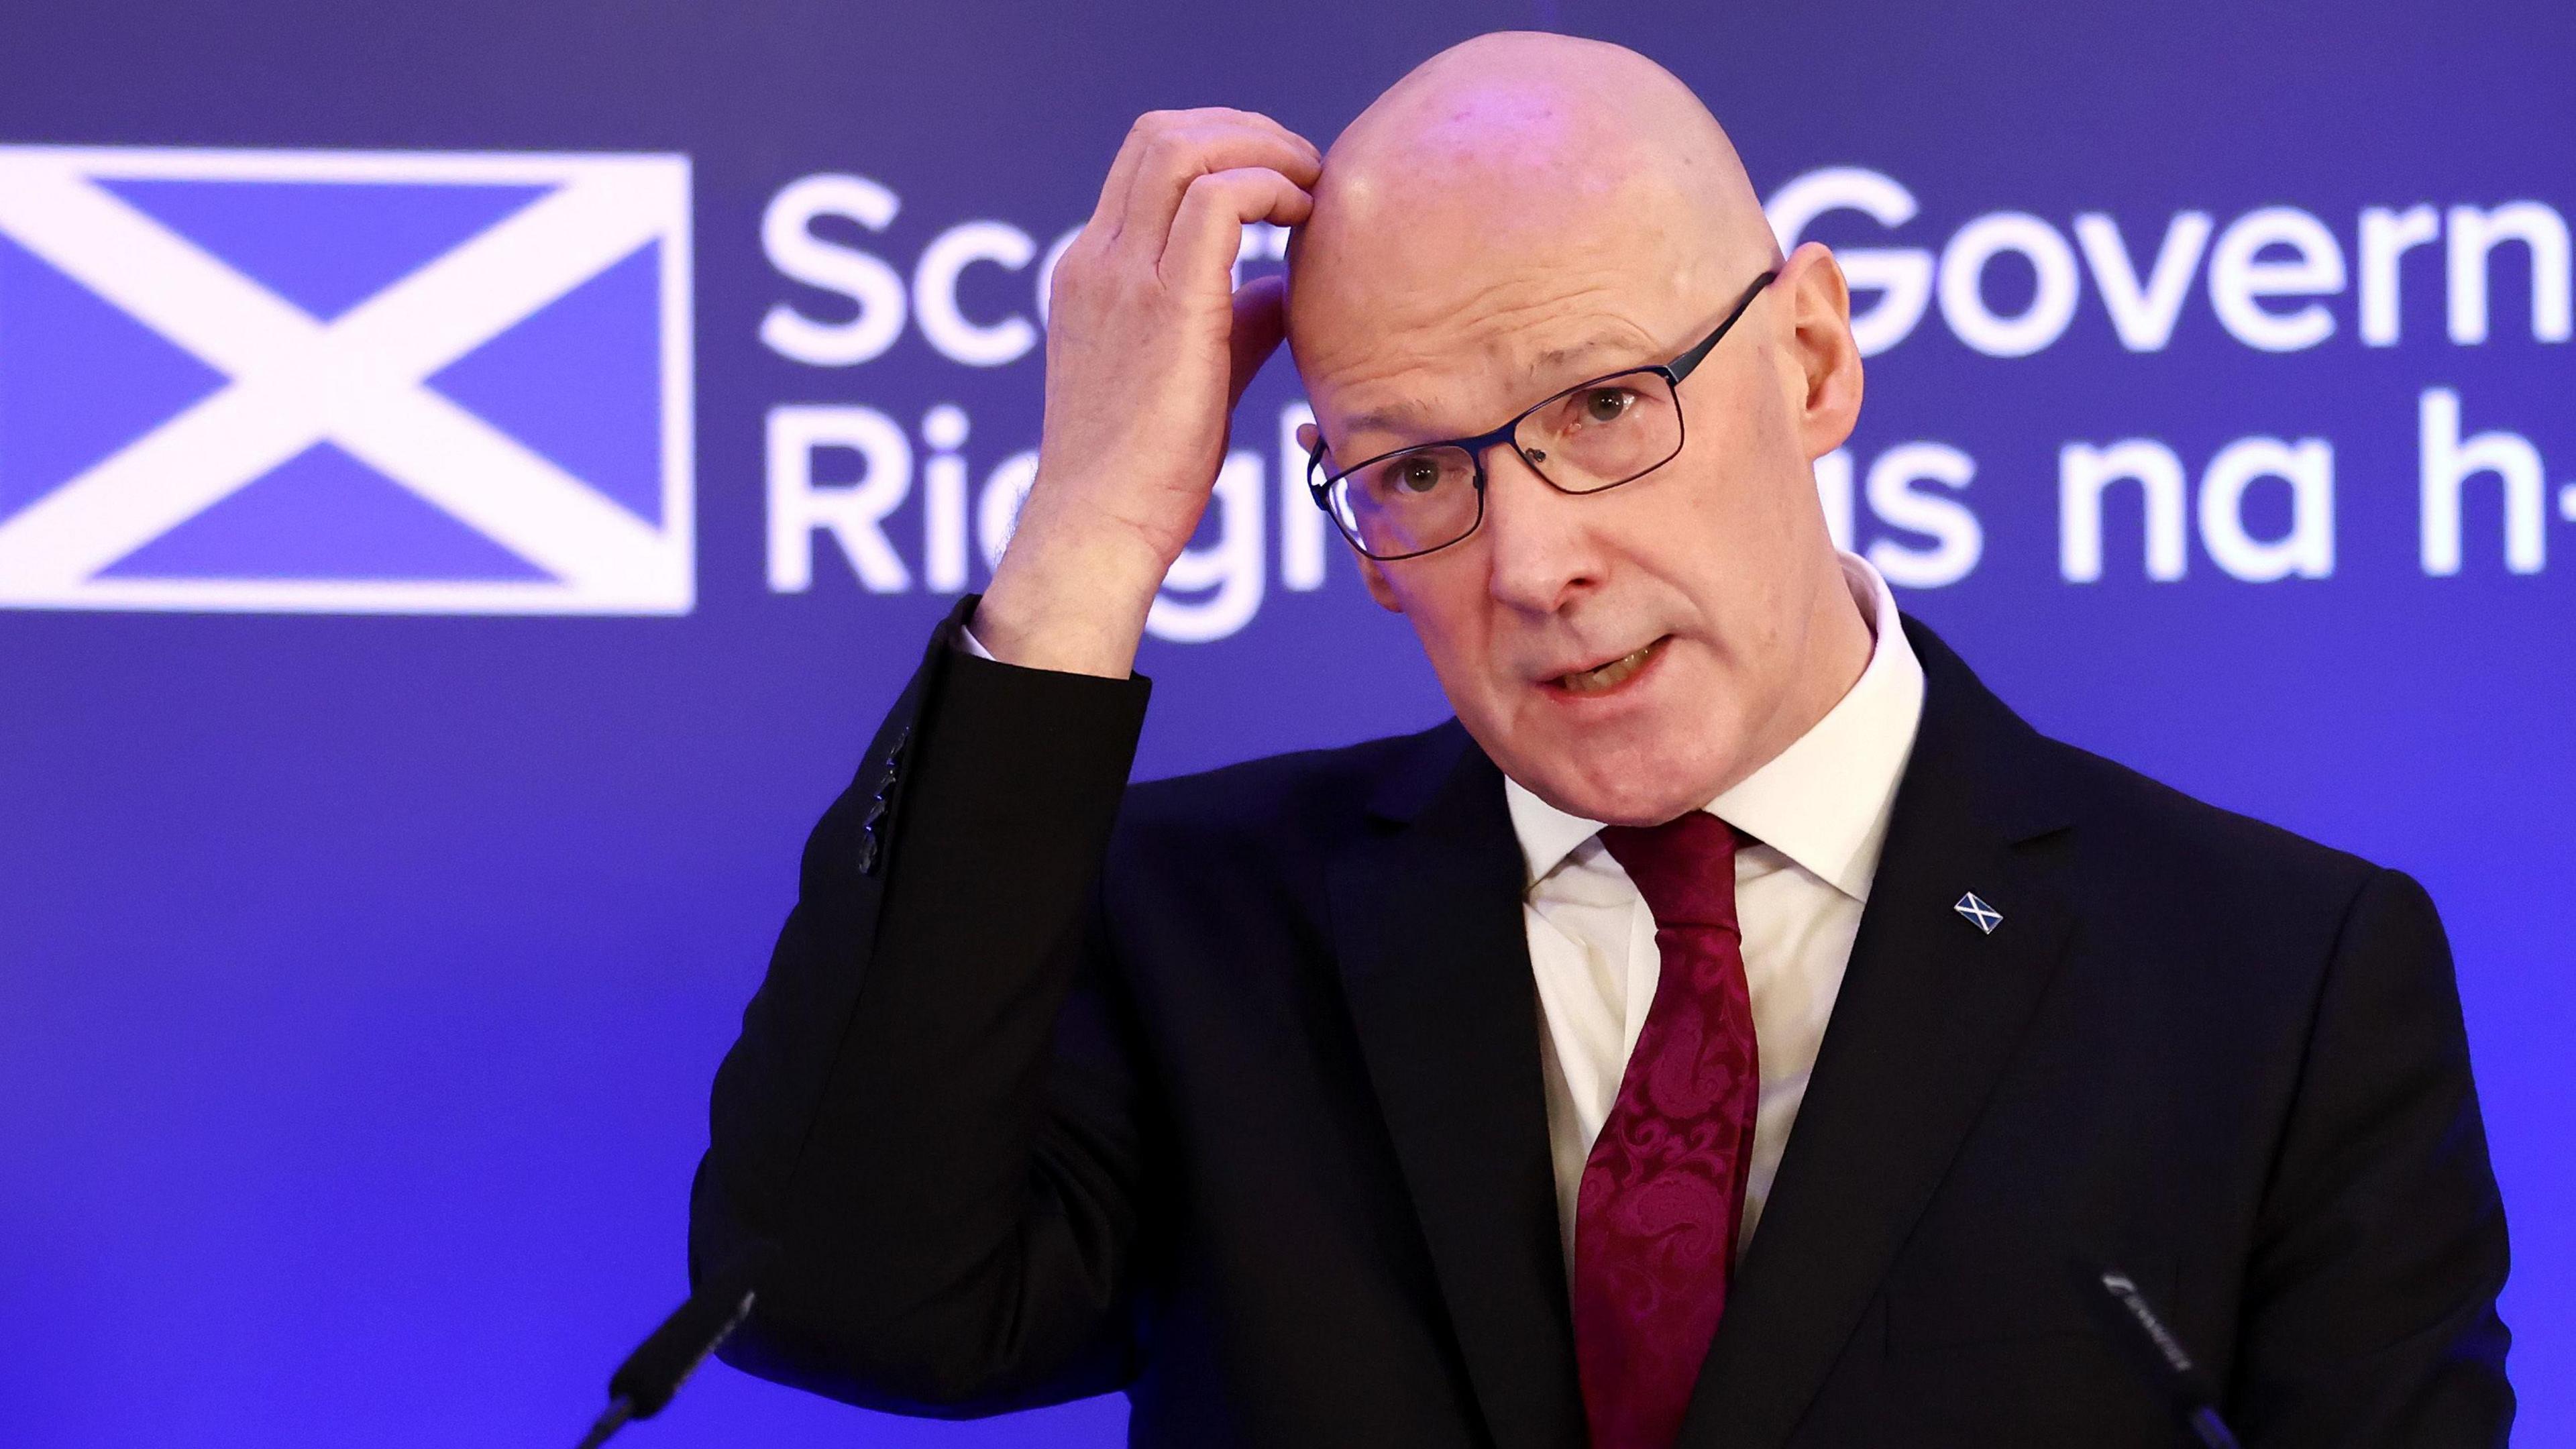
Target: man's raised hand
1148	349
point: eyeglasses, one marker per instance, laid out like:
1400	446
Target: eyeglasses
1593	436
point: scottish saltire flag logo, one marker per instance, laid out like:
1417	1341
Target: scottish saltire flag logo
344	381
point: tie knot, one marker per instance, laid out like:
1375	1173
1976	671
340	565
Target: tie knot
1685	867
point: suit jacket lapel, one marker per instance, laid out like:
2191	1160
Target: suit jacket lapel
1435	965
1929	1012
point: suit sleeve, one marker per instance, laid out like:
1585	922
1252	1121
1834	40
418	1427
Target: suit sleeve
2371	1311
931	1126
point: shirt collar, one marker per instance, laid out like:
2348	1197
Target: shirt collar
1824	801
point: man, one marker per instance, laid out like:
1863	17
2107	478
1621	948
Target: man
1737	1027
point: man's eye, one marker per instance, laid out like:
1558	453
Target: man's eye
1606	404
1416	475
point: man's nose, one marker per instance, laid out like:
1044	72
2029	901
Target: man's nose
1539	552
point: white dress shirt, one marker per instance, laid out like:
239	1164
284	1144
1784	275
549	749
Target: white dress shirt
1819	810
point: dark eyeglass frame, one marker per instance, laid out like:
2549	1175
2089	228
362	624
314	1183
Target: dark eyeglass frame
1671	372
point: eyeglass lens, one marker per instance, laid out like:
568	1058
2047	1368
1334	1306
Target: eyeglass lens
1593	437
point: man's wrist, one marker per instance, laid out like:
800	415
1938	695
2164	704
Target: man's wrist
1073	605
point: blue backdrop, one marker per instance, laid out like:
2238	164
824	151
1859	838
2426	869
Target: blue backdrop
471	476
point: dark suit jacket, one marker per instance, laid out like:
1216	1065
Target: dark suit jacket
1225	1091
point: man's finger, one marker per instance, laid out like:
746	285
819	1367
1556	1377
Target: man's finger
1207	234
1260	321
1140	136
1122	171
1175	162
1155	126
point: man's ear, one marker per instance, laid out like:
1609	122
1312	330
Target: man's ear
1828	360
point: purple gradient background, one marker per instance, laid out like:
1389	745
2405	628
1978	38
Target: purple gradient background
361	978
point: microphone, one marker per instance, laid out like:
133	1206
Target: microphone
2184	1387
661	1363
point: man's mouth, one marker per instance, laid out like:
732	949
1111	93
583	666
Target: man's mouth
1603	678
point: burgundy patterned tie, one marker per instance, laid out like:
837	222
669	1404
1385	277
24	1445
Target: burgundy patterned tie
1663	1191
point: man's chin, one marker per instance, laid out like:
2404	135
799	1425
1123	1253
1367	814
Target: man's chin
1643	767
1635	794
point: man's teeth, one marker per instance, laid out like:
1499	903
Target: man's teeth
1608	676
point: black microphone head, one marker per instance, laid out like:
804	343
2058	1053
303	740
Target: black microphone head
2152	1347
664	1361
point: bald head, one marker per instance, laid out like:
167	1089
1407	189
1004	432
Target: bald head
1510	153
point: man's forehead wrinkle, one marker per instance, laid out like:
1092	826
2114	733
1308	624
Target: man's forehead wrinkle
1515	294
1433	305
1410	384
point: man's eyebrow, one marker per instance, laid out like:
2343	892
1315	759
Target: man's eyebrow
1608	347
1620	343
1401	418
